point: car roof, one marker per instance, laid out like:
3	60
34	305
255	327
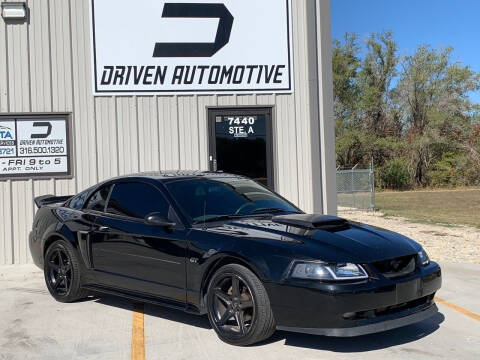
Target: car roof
179	174
162	176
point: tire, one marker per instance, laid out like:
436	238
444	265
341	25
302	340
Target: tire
63	277
249	305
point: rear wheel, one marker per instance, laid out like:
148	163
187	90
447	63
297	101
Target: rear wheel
62	272
238	306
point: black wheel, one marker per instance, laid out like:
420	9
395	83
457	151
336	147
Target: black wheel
62	273
238	306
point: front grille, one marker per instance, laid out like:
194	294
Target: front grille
373	313
398	267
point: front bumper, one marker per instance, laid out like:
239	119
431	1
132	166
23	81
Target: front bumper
384	325
353	309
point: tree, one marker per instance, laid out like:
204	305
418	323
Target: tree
346	64
412	115
433	95
375	78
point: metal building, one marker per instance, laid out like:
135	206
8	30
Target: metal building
66	123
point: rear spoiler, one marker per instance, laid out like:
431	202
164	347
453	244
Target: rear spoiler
50	199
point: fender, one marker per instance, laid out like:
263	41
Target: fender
54	231
210	266
208	251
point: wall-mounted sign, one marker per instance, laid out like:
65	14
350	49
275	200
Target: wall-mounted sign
34	147
199	46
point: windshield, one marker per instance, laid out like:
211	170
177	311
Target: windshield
204	199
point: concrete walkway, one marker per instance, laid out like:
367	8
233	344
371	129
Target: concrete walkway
34	326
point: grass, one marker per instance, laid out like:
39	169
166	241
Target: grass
451	207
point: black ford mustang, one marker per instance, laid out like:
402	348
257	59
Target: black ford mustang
226	246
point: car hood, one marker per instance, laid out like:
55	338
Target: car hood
338	241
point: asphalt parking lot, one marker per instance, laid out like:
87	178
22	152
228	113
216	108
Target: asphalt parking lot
34	326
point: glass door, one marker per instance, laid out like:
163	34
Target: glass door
241	142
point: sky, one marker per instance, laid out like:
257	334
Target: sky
439	23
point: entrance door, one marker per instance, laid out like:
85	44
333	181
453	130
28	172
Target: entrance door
241	142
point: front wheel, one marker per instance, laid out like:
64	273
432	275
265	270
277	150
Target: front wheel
238	306
62	272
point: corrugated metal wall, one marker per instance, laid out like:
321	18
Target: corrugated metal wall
45	67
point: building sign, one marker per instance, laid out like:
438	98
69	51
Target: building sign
34	148
240	126
200	46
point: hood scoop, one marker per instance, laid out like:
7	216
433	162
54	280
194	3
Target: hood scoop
313	222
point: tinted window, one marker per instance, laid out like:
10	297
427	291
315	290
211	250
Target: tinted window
78	201
98	200
136	200
225	196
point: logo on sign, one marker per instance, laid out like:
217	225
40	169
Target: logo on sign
5	133
222	38
47	131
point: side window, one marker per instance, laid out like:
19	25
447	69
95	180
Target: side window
98	200
78	201
137	200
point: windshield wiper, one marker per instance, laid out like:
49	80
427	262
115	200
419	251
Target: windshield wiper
218	218
259	211
268	211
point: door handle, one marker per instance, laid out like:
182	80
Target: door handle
103	228
214	163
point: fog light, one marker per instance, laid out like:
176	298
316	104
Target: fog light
14	10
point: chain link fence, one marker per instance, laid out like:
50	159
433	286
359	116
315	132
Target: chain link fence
356	189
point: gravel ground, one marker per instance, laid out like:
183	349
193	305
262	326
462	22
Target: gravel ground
459	244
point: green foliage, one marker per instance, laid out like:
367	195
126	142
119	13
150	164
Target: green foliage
354	148
345	67
411	114
377	72
394	175
445	172
384	148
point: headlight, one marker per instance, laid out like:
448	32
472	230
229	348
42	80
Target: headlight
322	271
423	258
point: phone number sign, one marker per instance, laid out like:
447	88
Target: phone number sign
33	148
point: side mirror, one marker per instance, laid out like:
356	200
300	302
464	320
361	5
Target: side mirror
157	219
